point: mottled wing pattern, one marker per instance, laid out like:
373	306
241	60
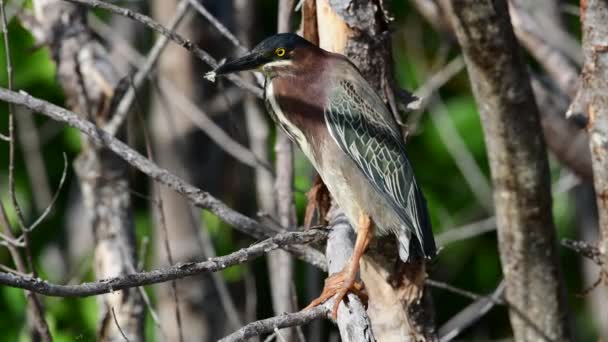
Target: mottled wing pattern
376	146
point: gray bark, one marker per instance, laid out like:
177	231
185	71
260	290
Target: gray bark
88	78
595	89
353	322
519	167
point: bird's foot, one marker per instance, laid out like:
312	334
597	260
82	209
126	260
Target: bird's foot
319	200
338	285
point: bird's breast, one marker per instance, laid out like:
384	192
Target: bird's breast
296	116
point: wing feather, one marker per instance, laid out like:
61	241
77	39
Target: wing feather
364	129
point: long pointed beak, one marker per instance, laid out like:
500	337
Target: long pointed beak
248	62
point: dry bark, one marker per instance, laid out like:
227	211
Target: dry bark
595	102
399	308
519	167
89	78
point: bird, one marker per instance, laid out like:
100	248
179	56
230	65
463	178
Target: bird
327	107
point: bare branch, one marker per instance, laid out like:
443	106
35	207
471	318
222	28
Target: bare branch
467	231
125	103
471	314
35	307
186	106
161	212
269	325
178	271
46	211
219	26
178	39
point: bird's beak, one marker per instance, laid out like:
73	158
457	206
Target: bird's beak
250	61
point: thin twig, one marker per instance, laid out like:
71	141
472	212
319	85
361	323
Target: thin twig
467	231
160	209
186	106
178	39
125	103
219	26
451	288
177	271
36	307
48	209
118	326
438	80
464	160
211	129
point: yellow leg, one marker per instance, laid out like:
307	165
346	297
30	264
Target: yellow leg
340	283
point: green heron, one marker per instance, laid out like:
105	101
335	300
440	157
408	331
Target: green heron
324	104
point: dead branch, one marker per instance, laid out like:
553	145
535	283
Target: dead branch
595	89
178	39
177	271
269	325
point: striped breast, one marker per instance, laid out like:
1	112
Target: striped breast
299	118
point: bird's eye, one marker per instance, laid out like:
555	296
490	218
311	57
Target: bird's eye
279	52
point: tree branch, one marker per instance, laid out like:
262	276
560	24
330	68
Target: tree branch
520	170
177	271
175	37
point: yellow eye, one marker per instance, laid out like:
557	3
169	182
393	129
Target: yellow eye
279	52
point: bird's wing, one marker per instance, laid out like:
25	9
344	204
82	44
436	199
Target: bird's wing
365	130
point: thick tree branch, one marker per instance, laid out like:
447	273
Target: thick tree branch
520	171
595	89
198	197
178	271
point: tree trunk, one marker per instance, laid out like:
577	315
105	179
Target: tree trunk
399	308
182	148
519	167
595	94
89	78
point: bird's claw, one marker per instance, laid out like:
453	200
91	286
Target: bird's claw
338	285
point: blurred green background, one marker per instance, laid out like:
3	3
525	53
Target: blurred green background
472	264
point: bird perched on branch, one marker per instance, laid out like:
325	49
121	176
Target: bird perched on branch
324	104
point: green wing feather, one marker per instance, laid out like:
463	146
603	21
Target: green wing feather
365	130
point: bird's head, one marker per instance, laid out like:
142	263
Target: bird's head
274	55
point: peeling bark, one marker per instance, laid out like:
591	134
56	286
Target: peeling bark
519	167
595	88
88	79
399	308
